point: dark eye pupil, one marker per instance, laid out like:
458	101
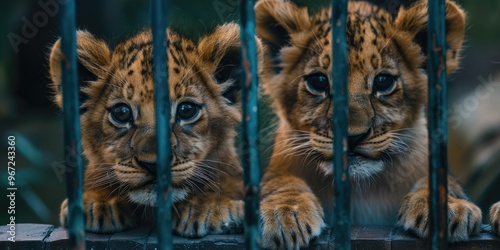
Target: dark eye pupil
384	82
121	113
187	110
318	82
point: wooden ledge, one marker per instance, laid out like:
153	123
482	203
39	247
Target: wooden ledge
41	236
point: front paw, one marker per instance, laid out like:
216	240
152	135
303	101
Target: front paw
199	217
495	218
102	216
290	221
464	218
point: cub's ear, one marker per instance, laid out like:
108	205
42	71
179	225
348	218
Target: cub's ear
276	23
93	59
222	48
414	21
276	20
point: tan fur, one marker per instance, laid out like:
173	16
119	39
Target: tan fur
120	178
391	155
495	218
464	216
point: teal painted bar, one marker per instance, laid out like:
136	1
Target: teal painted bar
342	208
72	136
438	129
250	124
163	130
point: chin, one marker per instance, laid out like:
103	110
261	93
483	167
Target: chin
146	195
360	167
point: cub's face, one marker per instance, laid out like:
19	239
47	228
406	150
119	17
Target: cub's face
387	83
118	111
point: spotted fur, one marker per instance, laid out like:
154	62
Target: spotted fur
387	125
120	178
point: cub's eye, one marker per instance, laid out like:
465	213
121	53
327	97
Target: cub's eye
384	83
317	83
121	113
188	111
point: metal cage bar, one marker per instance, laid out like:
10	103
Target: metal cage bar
342	207
438	130
163	130
250	124
72	134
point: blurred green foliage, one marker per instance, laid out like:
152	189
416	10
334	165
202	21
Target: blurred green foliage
483	21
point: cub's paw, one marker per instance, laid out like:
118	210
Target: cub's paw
495	218
102	216
290	221
199	217
464	218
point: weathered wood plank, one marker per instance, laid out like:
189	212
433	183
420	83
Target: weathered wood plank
27	236
57	239
133	239
375	237
485	240
97	241
48	237
403	240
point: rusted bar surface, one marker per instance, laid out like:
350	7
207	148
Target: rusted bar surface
342	217
438	129
250	124
162	114
72	136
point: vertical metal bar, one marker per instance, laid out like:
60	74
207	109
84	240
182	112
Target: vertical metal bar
250	124
342	215
438	132
163	130
72	136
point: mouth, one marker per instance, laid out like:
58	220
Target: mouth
354	158
363	167
147	195
350	156
360	166
355	155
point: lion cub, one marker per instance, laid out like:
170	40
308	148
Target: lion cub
388	148
118	130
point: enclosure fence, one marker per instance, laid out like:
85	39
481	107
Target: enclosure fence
250	157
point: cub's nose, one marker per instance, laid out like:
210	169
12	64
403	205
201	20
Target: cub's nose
149	166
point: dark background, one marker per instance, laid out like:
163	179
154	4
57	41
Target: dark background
27	112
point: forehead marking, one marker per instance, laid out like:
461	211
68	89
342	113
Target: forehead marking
129	91
375	61
133	50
